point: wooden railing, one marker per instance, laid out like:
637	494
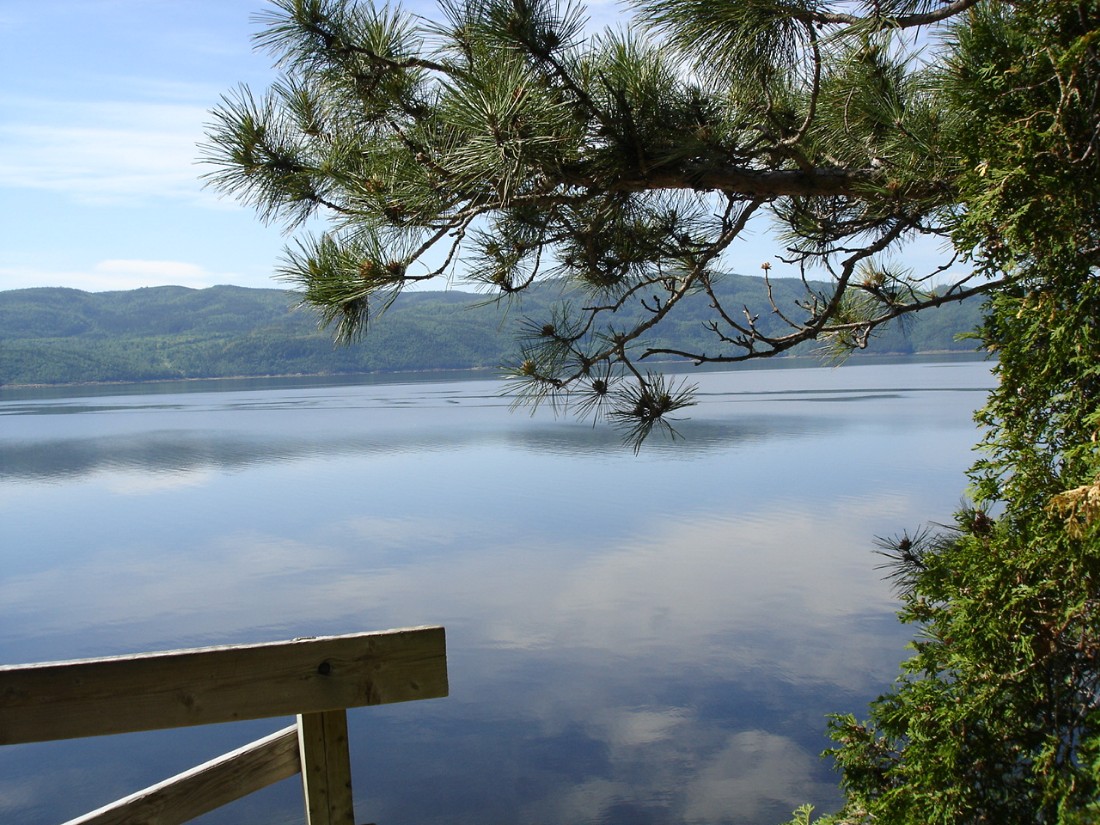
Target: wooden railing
315	679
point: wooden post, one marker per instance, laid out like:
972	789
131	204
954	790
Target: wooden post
326	768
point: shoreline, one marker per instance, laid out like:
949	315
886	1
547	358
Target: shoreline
954	354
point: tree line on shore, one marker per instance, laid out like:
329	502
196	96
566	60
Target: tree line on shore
61	336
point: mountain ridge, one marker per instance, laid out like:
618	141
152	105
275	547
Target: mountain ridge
58	335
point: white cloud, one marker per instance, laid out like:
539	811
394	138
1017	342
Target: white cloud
176	272
117	274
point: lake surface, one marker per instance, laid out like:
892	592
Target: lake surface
631	639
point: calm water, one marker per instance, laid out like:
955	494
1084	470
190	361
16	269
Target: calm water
631	639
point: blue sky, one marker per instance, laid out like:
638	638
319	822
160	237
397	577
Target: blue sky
103	104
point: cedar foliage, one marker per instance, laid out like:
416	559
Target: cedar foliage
997	716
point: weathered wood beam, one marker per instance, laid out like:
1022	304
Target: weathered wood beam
326	768
206	787
92	697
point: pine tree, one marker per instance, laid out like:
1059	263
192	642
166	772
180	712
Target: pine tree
623	166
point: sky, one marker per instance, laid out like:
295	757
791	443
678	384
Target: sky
102	109
102	106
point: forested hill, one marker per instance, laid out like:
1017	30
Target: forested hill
56	336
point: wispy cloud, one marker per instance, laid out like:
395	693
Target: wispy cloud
104	152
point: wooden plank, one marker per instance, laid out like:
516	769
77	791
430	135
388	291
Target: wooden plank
209	786
326	768
63	700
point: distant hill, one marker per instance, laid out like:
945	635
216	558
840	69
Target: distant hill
58	336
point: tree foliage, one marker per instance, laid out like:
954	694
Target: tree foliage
502	142
997	718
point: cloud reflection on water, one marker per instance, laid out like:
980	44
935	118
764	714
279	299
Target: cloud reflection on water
651	639
592	646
